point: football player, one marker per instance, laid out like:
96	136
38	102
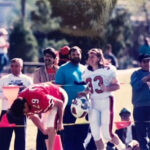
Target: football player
42	98
101	81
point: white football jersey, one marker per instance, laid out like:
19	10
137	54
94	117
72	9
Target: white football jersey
8	80
95	79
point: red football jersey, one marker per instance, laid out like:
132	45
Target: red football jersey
40	96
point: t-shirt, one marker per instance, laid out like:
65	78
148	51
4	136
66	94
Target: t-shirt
69	76
22	81
51	73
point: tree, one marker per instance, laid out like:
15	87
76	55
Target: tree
82	17
22	42
41	19
42	24
119	32
23	8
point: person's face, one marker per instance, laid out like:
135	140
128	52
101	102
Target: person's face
75	56
48	59
16	68
26	109
93	60
125	117
145	64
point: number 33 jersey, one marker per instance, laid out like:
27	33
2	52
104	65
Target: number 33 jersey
94	80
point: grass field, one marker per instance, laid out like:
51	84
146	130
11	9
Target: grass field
123	99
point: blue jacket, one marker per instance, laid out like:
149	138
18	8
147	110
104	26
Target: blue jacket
140	90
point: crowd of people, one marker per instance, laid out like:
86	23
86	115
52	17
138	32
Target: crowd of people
46	100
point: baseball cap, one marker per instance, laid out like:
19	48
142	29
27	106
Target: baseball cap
124	111
64	50
143	57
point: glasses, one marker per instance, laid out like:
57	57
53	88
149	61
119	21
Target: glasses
146	61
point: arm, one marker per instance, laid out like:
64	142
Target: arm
36	120
36	77
136	82
113	86
146	78
60	113
2	83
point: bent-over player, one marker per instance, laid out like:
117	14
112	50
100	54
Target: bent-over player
42	98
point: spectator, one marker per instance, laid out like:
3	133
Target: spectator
127	134
63	55
102	81
4	45
14	78
145	48
141	101
69	76
110	56
44	74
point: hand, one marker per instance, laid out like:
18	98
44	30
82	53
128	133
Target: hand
84	93
103	88
134	145
45	131
81	94
146	78
59	125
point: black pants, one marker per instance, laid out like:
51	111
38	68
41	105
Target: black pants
142	124
73	136
40	141
6	134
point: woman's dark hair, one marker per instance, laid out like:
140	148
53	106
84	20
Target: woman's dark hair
51	51
17	108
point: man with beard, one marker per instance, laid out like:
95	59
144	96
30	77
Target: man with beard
69	76
44	74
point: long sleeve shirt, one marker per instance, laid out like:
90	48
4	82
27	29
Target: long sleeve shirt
140	90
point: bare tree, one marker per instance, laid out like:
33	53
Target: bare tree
23	8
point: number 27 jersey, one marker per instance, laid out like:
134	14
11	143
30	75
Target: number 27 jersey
94	80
